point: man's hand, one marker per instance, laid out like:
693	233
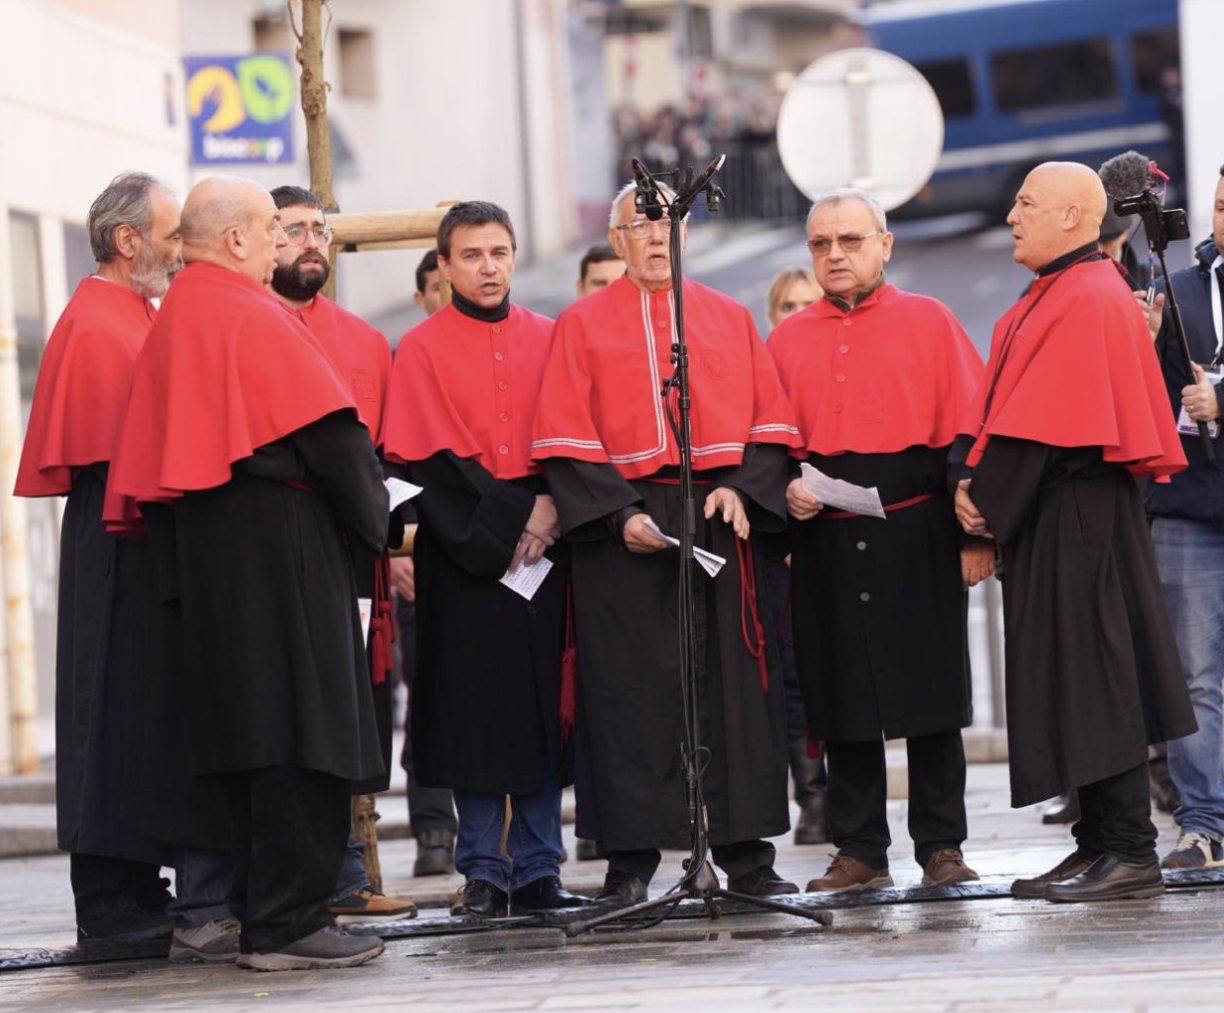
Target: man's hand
732	507
1152	315
543	522
530	551
1199	398
403	577
801	503
638	539
977	563
970	519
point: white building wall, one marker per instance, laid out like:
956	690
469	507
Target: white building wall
1202	28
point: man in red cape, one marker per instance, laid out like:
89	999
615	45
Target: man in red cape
74	426
487	690
362	357
611	460
245	454
1072	408
880	379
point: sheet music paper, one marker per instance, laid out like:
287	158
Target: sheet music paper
401	491
711	563
526	580
844	495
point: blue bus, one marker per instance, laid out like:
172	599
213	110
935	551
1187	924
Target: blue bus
1025	81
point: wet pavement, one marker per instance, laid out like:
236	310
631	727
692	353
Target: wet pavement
985	953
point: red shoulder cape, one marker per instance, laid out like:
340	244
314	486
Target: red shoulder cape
470	387
82	386
1081	372
224	371
610	354
897	371
359	353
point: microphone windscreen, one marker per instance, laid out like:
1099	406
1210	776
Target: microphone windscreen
1125	175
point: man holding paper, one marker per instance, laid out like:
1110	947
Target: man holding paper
491	711
879	379
612	465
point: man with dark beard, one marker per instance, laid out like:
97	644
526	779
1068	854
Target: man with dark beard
74	426
362	357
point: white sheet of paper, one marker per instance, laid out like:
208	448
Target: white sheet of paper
526	580
844	495
1188	427
711	563
401	491
365	612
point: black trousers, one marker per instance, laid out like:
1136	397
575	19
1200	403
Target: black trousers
101	884
858	797
1116	817
291	827
735	860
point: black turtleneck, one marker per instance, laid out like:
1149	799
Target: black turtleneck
1067	259
488	316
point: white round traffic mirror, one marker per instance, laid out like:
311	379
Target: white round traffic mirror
861	118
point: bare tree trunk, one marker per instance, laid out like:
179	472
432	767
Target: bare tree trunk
314	107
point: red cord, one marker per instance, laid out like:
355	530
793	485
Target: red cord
748	610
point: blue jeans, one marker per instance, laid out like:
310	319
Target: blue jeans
353	877
534	842
202	883
1190	556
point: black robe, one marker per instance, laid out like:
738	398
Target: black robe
486	688
276	670
629	778
878	606
1093	674
98	593
161	796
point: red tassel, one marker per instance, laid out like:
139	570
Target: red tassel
813	749
382	625
569	671
748	610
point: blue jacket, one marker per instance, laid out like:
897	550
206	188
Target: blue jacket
1197	493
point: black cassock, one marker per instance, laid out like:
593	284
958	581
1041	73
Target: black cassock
99	594
629	777
487	684
878	606
276	669
1093	674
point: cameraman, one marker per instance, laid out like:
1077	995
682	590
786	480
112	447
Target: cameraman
1188	533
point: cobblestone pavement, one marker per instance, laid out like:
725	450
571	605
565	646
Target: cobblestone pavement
1000	955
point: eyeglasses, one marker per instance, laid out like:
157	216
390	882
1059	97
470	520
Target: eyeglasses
644	227
849	243
296	234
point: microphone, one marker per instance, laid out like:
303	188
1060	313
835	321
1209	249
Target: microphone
646	200
1126	175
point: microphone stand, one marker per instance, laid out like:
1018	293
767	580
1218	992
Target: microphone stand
699	881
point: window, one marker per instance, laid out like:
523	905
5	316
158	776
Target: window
953	86
272	34
1054	75
1152	53
27	299
78	258
357	79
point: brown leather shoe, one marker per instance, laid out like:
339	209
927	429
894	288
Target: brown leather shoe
1073	865
947	868
846	873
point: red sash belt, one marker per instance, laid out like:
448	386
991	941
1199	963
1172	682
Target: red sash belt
842	515
295	484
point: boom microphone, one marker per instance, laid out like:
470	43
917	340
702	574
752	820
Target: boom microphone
1126	175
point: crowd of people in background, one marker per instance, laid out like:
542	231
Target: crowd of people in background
259	495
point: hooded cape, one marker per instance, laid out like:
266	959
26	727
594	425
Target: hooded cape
82	386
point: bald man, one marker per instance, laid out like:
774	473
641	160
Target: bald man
244	455
1073	407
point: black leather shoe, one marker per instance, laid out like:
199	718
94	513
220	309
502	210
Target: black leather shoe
1110	878
1065	810
761	882
435	853
546	894
1073	865
621	889
480	899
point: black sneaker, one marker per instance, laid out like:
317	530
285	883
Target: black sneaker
1194	850
327	948
761	882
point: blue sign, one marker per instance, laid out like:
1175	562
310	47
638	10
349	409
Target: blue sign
240	108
